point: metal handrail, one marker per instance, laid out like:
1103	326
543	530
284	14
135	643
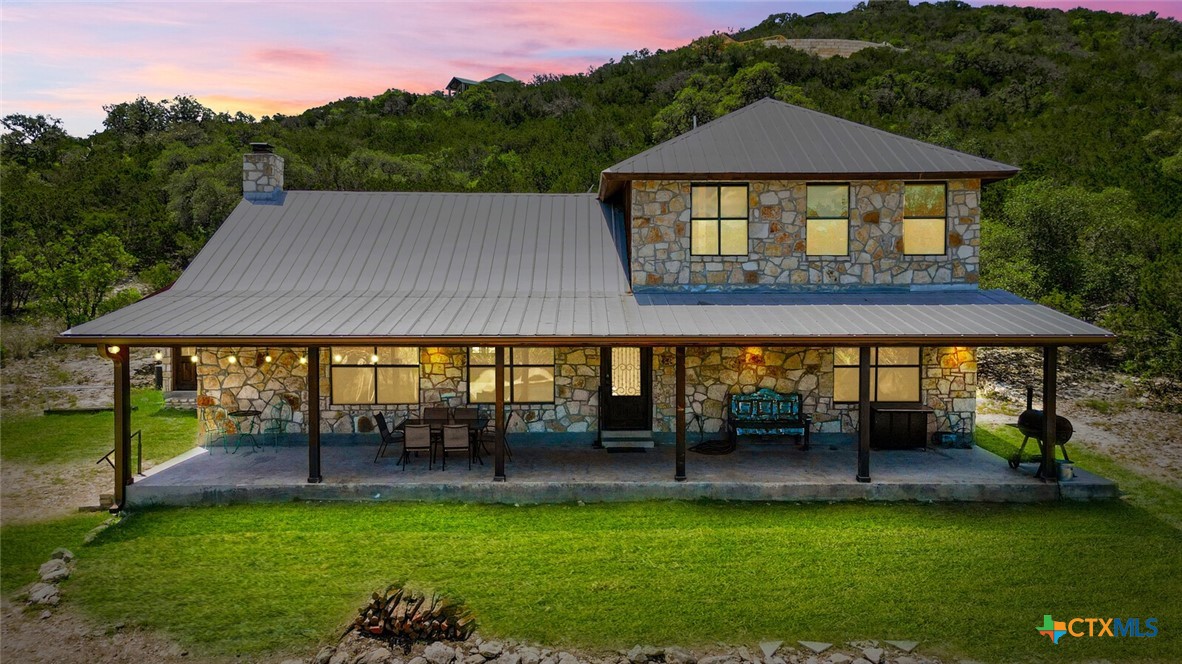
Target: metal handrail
139	453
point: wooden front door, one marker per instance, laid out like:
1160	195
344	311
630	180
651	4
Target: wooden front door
184	371
626	396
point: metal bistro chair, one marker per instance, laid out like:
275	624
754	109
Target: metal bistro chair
471	418
216	428
490	433
280	420
417	439
456	438
436	415
388	436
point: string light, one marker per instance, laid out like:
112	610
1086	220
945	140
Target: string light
159	356
267	358
374	358
232	360
114	350
303	360
193	359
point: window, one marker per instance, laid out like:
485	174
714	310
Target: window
924	218
718	220
529	375
894	374
375	375
827	222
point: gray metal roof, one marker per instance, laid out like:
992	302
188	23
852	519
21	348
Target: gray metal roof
771	138
433	269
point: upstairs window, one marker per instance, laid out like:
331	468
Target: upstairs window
718	215
529	375
375	375
894	374
924	219
827	222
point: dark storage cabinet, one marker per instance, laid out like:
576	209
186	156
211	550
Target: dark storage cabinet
898	425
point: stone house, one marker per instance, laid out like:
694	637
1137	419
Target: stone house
775	247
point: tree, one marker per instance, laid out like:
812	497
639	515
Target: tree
73	278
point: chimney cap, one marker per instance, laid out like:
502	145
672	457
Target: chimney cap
262	148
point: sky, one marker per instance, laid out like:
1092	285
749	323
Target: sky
68	59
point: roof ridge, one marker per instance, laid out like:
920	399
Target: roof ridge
680	137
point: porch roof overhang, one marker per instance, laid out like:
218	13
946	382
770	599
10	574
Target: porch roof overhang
957	317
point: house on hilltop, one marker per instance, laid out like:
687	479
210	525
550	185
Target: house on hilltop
774	251
457	85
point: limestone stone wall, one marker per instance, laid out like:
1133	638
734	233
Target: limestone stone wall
661	256
250	382
948	380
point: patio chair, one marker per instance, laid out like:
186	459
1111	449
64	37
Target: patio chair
388	436
280	420
435	414
490	433
465	414
215	427
417	438
456	438
470	417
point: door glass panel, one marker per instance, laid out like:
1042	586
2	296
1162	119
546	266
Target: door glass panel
625	372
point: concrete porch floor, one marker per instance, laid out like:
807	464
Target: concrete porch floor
546	472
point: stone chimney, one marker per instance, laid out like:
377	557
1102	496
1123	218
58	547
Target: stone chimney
262	175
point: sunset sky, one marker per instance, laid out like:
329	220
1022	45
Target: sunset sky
67	59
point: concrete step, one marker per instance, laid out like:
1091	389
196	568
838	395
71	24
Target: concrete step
627	439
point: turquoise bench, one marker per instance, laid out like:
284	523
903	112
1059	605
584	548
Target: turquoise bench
768	413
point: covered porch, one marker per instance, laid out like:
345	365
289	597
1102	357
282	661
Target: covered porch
544	470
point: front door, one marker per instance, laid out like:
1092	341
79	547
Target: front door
184	371
627	389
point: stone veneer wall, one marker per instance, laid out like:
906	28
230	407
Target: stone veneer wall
661	243
443	380
948	380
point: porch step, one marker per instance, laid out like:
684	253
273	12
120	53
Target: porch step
627	439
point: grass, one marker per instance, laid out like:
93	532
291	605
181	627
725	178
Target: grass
46	439
24	547
257	579
1157	498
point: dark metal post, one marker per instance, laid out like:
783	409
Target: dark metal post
679	383
499	444
864	414
314	476
1050	384
122	406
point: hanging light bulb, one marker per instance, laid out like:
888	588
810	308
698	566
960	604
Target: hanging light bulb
232	360
303	360
159	356
193	359
337	358
267	358
374	358
114	350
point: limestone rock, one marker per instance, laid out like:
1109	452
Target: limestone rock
474	658
640	654
44	593
491	649
340	657
567	658
439	653
840	658
816	647
719	659
292	661
677	655
418	660
507	658
62	554
905	646
53	570
377	656
873	654
529	655
769	648
324	655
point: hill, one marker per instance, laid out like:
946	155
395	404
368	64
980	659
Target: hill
1089	104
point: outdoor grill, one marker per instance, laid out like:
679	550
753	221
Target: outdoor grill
1032	424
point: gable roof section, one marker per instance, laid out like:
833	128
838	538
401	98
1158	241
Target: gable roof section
772	139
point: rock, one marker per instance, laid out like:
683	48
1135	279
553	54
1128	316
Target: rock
44	593
769	648
340	657
873	654
474	658
744	653
53	569
840	658
292	661
46	614
418	660
377	656
905	646
567	658
529	655
65	555
439	653
640	654
906	660
507	658
718	659
677	655
549	659
490	649
324	655
816	647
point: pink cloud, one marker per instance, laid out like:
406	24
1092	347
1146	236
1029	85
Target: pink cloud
293	57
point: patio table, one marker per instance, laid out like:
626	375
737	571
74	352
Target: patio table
474	428
246	420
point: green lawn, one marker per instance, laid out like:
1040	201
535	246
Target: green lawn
42	439
977	578
1160	499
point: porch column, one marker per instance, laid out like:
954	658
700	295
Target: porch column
1050	384
679	474
122	407
314	476
864	414
499	443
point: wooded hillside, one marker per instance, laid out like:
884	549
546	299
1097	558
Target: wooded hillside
1089	104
